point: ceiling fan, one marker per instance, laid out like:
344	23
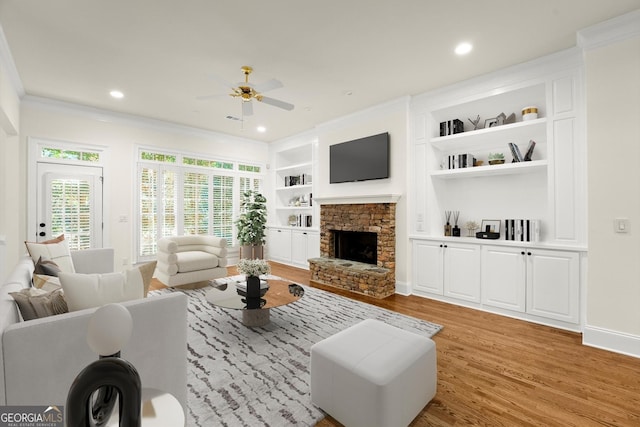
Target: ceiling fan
248	91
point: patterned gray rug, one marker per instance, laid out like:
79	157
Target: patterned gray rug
239	376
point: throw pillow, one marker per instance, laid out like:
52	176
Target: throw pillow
36	303
46	267
94	290
56	250
46	283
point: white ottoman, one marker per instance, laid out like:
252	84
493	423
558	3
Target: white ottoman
373	374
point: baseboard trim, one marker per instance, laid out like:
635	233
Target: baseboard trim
403	288
609	340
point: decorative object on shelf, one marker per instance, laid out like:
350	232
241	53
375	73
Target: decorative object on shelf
455	231
459	161
490	229
293	220
496	158
529	113
451	127
93	394
500	119
252	224
471	226
475	122
510	119
490	123
253	269
447	227
293	180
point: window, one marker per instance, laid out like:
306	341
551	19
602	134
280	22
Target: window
67	154
189	195
71	211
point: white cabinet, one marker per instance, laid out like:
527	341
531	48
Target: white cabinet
526	281
279	244
449	269
293	246
503	278
539	282
553	284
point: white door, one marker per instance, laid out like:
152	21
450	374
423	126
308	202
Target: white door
69	202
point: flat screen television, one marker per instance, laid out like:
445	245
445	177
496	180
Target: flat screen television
359	160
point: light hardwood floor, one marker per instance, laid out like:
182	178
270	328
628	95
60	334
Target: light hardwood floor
497	371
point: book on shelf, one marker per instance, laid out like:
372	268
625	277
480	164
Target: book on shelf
303	179
460	161
515	152
529	153
522	230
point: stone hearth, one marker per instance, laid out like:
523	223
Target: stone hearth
374	280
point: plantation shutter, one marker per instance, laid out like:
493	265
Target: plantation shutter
71	206
148	179
196	203
222	212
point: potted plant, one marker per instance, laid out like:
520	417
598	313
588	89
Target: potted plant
496	158
251	224
253	269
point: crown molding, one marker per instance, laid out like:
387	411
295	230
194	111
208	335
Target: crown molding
612	31
104	115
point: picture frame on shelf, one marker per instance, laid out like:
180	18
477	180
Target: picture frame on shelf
490	225
490	123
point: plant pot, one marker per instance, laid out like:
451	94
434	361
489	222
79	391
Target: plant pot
251	252
496	162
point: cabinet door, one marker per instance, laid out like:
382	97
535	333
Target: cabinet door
462	271
299	247
503	278
427	265
553	285
279	244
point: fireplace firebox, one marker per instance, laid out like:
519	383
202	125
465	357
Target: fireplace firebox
359	246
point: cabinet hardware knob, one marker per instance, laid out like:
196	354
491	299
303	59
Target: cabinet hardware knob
445	246
522	253
42	234
441	246
528	253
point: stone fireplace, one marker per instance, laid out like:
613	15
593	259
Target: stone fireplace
357	248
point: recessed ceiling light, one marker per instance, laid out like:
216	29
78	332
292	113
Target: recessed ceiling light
261	129
463	48
116	94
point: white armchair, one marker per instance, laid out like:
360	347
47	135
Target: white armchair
191	259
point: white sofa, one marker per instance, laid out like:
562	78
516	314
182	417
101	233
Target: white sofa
191	259
40	358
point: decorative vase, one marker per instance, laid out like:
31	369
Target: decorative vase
447	229
253	287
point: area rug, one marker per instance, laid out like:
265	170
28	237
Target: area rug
240	376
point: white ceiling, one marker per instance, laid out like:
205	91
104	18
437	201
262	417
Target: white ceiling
164	53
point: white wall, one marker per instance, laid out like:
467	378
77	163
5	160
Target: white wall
121	135
613	132
391	117
11	215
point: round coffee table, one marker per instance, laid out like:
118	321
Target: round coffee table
255	311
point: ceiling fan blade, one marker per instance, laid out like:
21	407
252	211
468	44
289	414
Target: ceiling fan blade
268	85
222	81
277	103
247	108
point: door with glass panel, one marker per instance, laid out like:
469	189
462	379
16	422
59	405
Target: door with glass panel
69	202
